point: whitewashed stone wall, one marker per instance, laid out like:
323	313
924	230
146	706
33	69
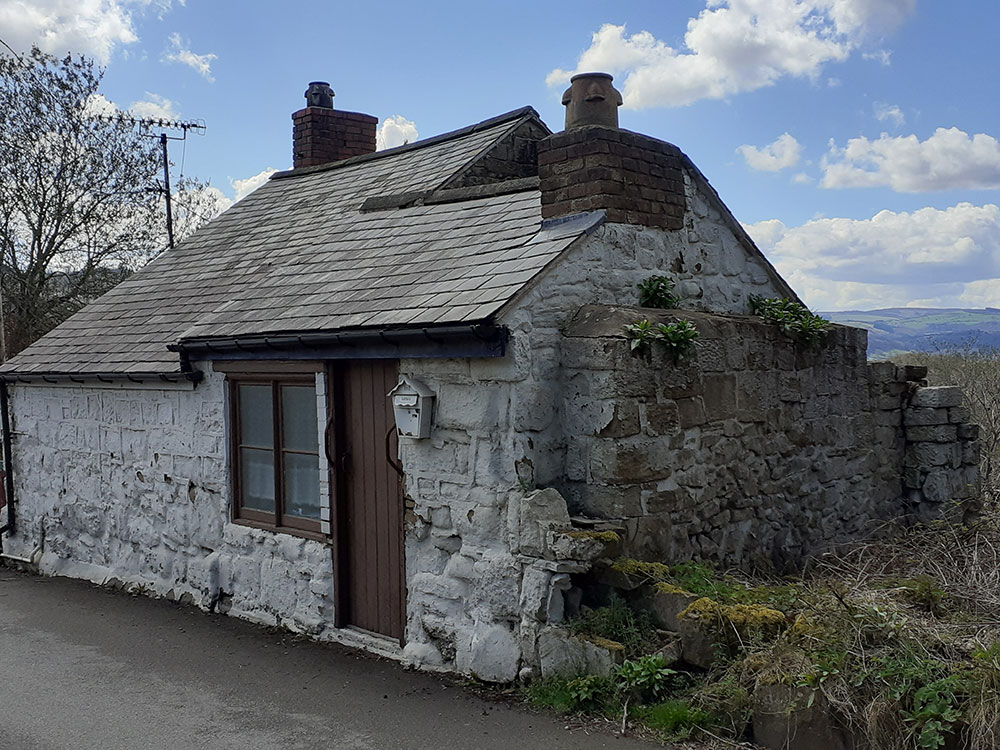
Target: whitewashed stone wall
477	599
132	485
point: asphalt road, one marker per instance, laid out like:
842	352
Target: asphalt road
85	668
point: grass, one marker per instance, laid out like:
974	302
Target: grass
899	638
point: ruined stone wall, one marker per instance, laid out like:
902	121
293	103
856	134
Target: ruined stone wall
132	485
755	449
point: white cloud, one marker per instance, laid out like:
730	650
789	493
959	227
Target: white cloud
244	187
893	259
154	107
888	112
783	153
90	27
180	52
395	131
949	159
735	46
802	179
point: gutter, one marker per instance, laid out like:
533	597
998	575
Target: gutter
468	340
100	377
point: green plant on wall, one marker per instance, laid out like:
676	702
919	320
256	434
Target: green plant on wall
658	291
792	317
677	338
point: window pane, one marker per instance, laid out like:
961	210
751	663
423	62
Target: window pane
257	479
299	426
256	416
302	485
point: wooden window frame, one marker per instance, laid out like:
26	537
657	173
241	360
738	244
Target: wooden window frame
275	376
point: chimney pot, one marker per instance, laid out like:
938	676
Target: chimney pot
591	99
319	94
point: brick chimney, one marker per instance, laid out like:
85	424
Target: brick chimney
321	134
593	164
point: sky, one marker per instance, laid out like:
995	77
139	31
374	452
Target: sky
857	140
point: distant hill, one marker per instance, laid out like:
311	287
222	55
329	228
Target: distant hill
907	329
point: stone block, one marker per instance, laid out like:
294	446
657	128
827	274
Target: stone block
932	454
561	654
495	654
540	512
941	396
910	373
661	419
942	433
583	545
665	602
959	415
691	412
918	416
719	396
968	432
789	717
618	462
624	421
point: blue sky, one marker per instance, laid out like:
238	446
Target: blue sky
856	139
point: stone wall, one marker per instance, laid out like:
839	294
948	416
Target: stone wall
131	484
477	602
755	449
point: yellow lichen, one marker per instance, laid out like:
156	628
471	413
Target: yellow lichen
668	588
608	537
744	618
605	643
652	571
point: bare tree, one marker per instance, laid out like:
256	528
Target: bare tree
977	370
79	204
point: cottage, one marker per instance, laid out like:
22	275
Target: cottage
387	399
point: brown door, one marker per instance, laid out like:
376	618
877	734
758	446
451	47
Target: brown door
369	499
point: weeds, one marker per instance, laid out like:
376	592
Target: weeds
677	338
658	291
792	317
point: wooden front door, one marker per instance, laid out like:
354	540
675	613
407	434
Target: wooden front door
368	499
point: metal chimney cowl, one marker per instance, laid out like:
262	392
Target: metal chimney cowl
591	99
319	94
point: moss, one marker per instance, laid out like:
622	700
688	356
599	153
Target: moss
652	571
610	645
668	588
608	537
744	618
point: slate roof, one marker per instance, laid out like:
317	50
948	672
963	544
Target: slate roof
299	255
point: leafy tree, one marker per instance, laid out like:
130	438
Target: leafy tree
79	204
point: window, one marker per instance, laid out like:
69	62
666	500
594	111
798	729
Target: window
275	455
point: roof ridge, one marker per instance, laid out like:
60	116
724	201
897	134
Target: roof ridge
514	114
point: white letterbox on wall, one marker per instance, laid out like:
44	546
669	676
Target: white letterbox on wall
412	403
